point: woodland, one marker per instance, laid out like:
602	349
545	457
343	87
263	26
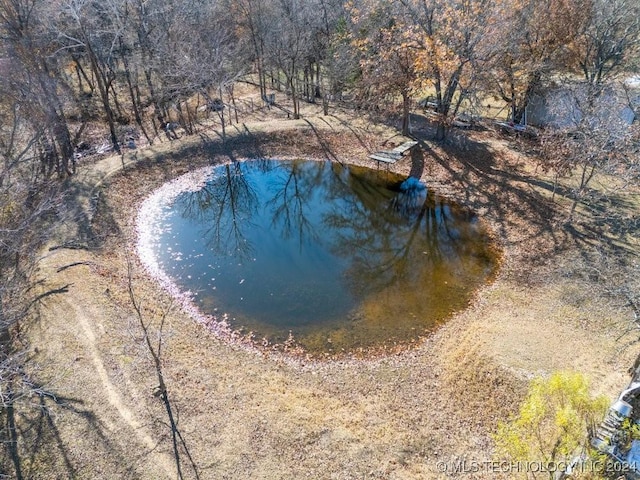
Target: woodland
85	79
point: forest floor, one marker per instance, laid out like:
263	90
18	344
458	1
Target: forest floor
246	414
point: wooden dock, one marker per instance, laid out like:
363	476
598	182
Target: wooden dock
389	157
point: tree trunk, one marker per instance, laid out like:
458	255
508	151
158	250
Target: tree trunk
232	98
82	74
57	124
154	100
294	98
116	103
406	101
103	89
441	131
222	121
134	98
318	89
13	434
305	81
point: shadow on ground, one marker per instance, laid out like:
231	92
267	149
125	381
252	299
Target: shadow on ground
39	445
524	216
470	171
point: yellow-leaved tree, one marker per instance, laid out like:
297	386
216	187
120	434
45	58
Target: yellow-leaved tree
449	37
553	422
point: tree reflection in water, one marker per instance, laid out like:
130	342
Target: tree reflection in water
338	255
223	207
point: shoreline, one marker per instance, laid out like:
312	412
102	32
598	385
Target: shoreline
150	214
252	414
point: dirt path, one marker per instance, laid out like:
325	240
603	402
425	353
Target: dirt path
113	394
78	317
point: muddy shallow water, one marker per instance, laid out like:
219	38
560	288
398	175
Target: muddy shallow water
327	257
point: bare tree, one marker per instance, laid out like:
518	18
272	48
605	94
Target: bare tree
29	202
88	28
252	18
154	348
589	134
31	65
341	65
608	39
288	43
529	42
588	137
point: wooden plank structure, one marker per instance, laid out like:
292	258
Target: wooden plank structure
390	157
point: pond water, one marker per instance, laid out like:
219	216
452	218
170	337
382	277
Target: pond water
339	258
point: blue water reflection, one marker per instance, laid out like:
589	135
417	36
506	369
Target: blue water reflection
342	257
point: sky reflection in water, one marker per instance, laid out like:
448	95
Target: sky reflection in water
338	255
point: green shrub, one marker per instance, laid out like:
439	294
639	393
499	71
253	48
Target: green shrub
553	422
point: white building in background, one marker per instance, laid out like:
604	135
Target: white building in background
564	107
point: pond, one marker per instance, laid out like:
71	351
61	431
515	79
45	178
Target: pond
332	258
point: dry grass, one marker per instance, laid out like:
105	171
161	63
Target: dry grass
479	386
246	414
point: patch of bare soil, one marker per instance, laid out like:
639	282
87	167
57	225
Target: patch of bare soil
249	414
